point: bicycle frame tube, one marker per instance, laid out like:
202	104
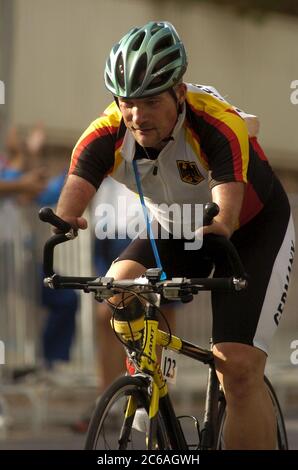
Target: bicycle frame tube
211	403
153	416
184	347
208	434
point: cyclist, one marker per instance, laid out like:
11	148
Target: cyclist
191	146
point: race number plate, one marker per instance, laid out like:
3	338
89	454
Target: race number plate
169	365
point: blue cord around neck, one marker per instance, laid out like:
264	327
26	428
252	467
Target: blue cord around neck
147	220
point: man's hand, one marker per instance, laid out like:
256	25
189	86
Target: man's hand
36	139
77	223
229	198
218	228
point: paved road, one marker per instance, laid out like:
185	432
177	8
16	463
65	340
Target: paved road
46	424
61	438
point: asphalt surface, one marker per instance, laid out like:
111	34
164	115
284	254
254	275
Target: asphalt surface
41	418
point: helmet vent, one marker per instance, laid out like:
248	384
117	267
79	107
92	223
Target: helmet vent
166	60
160	80
138	42
139	72
109	81
163	44
120	70
157	27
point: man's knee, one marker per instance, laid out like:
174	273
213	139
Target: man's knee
131	310
124	269
240	368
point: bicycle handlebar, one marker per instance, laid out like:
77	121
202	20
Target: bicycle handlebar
47	215
106	287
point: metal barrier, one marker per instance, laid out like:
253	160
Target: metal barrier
75	258
21	240
18	285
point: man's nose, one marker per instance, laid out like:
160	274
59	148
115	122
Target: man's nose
138	116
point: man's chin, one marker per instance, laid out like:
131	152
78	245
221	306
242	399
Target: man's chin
145	141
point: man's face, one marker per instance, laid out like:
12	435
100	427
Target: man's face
151	119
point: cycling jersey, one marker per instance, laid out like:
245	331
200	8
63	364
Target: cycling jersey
209	145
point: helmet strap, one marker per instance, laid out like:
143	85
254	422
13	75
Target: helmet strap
174	96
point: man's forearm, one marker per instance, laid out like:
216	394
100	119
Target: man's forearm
229	197
75	197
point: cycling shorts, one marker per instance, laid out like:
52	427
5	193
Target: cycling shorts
266	247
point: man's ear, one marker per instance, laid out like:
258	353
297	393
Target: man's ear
181	92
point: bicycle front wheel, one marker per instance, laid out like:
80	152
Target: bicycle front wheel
113	425
281	438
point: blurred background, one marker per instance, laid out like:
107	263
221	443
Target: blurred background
52	58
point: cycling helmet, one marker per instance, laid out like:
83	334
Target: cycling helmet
146	61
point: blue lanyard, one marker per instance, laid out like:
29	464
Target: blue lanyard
148	224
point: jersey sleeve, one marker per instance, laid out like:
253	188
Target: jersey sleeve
93	155
226	147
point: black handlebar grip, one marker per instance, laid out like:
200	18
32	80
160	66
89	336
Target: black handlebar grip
211	210
47	215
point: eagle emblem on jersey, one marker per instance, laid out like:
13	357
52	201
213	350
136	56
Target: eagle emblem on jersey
189	172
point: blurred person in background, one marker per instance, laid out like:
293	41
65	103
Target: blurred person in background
14	179
23	177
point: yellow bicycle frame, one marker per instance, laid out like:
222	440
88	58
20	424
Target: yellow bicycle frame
147	363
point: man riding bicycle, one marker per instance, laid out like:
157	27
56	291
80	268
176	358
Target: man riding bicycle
191	146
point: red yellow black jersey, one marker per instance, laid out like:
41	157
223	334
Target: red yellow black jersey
210	145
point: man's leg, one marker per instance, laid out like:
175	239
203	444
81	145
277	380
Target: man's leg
250	422
111	356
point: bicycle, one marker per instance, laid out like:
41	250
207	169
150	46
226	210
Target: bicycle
145	392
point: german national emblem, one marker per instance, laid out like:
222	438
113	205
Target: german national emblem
189	172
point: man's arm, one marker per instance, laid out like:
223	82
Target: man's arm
229	198
75	197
